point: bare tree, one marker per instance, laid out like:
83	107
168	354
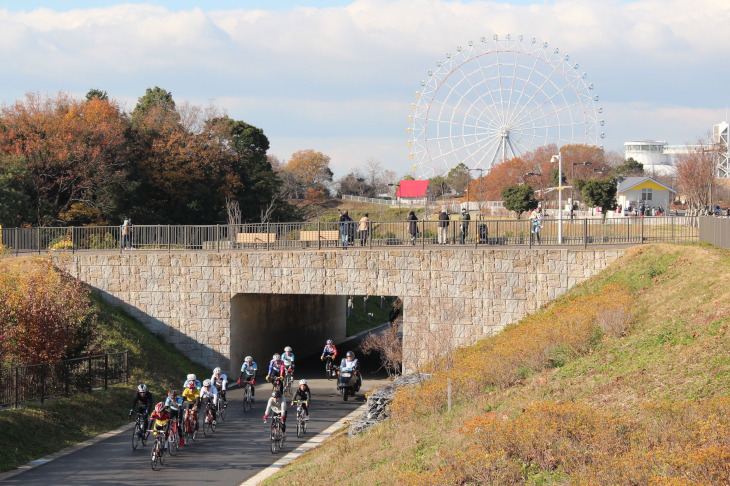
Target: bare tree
695	175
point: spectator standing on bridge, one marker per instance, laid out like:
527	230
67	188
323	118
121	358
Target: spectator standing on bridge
364	229
412	226
443	228
345	228
535	224
465	218
127	234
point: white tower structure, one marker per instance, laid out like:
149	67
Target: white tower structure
721	136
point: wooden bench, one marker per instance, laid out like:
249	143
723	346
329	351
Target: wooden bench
251	238
325	235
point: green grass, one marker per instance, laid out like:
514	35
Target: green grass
360	321
36	430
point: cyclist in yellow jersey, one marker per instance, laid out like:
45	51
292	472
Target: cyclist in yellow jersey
191	395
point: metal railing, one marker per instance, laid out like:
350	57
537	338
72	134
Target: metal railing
316	235
62	378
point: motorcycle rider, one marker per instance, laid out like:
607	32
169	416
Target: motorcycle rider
278	407
349	361
248	374
220	382
142	403
304	395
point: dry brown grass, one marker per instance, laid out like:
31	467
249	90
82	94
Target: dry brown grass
643	404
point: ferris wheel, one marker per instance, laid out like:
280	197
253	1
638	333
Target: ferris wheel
493	100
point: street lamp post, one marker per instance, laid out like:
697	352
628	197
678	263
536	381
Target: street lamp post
559	159
572	178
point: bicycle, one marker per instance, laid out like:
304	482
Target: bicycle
288	380
329	367
137	435
208	423
222	407
301	418
247	397
277	434
158	449
173	438
190	427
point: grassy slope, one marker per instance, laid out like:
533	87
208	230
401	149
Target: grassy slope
675	351
38	430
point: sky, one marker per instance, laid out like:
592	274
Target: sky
339	76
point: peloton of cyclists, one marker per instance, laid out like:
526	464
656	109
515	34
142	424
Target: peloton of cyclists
276	370
209	394
220	382
248	374
142	403
304	395
277	406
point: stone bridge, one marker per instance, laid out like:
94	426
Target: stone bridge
219	307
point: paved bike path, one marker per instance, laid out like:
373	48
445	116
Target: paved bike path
237	451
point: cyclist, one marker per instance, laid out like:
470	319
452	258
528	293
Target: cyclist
192	377
276	370
248	373
174	403
209	394
220	382
142	403
351	362
191	395
288	359
277	406
304	395
329	350
161	417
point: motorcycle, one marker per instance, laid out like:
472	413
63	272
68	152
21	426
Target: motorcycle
347	382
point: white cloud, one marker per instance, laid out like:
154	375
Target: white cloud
344	77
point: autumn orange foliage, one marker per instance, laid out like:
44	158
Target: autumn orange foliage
45	314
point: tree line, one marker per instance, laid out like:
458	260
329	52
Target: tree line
71	161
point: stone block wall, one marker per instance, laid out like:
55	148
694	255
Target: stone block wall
451	297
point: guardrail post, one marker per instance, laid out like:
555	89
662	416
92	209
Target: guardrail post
671	218
585	233
106	371
268	240
73	247
43	382
16	242
39	240
17	386
218	236
319	236
91	384
642	231
423	234
168	238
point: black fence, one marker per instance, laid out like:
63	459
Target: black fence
289	236
62	378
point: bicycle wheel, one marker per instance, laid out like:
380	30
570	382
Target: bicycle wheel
207	425
300	425
136	436
155	454
172	443
247	399
274	439
328	370
223	410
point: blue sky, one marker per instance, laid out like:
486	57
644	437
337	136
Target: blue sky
338	76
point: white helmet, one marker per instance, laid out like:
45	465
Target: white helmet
248	358
206	383
329	341
302	382
192	377
142	388
276	357
217	371
287	349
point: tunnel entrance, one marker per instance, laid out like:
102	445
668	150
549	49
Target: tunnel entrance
263	324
